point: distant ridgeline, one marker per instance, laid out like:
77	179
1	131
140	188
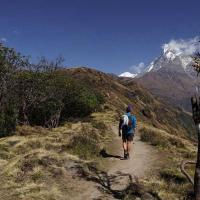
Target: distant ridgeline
40	94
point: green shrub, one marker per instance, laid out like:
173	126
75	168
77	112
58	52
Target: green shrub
54	97
157	138
37	174
8	119
40	94
99	125
84	147
153	137
80	101
10	62
176	142
40	114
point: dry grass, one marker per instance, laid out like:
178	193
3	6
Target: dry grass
36	162
169	183
161	138
39	163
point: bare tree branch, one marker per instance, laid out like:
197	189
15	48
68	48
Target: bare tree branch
183	164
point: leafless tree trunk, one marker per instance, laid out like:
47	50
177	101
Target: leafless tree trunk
25	118
54	120
197	171
196	181
183	165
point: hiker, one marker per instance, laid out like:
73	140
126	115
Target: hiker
127	128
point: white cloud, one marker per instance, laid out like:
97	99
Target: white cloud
137	68
182	47
4	40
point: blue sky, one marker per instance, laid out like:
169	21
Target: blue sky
109	35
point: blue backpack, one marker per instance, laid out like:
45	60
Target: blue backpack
127	123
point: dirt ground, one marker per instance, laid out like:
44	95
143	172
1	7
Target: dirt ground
144	159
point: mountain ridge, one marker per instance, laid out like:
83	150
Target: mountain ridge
171	76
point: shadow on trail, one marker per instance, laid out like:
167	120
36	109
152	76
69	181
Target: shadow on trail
104	154
105	183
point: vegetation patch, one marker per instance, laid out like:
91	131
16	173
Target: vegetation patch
158	138
169	183
154	138
99	125
173	175
84	147
37	174
41	93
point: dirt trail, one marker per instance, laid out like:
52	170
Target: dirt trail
143	158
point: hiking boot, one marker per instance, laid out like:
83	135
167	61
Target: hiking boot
127	155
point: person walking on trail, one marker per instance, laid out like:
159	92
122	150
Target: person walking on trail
127	128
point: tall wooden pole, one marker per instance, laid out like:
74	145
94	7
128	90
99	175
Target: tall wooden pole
197	171
196	116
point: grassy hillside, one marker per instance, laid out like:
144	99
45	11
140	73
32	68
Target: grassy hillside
41	163
38	163
169	182
147	108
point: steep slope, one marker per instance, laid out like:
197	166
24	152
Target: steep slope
171	76
120	92
174	87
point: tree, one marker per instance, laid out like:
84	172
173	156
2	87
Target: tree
40	94
195	101
10	62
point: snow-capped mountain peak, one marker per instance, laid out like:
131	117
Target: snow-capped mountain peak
170	59
176	53
150	67
128	75
170	55
176	56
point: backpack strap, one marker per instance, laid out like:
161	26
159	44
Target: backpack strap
134	121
